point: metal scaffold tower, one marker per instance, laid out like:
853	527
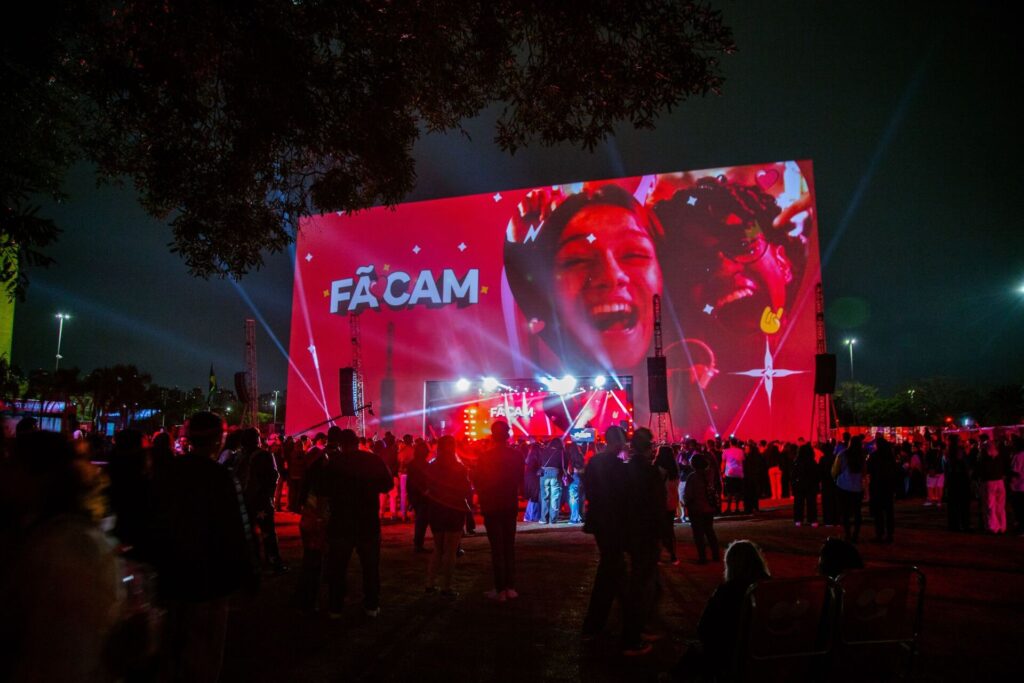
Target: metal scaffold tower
823	409
664	419
251	415
357	372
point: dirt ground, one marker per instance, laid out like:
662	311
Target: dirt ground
973	607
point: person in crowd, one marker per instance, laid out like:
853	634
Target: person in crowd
275	449
883	484
552	467
703	502
837	556
131	494
575	463
531	483
644	514
992	471
60	587
389	454
773	459
732	464
848	472
406	452
754	471
313	523
417	471
685	462
447	490
935	479
718	629
231	450
605	510
160	454
668	471
205	553
497	479
257	473
353	481
957	484
829	496
303	454
805	486
786	465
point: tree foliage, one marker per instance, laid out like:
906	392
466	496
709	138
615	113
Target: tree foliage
235	119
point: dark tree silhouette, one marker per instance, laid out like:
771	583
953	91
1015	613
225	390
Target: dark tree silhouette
235	119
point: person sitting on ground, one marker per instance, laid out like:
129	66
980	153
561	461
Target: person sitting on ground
715	653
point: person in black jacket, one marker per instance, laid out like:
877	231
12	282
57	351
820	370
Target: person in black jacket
497	478
258	475
353	482
605	521
204	553
883	473
805	485
644	514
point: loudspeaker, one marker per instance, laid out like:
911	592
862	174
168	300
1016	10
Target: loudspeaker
242	387
825	373
657	385
347	389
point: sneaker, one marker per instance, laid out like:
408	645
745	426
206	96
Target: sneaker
374	613
798	524
511	593
543	521
814	525
638	650
460	552
449	594
496	596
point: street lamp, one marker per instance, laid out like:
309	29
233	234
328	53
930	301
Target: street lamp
274	403
850	343
61	317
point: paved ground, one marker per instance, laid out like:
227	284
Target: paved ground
973	609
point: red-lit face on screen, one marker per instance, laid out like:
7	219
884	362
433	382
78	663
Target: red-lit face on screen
606	273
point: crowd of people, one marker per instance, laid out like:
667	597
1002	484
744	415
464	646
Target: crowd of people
148	548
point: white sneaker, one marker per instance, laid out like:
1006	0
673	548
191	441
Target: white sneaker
814	524
798	524
495	595
375	612
511	593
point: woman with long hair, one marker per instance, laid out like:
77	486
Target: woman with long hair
665	462
448	489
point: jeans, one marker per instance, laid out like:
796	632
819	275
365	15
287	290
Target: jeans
339	552
501	533
550	495
419	533
576	496
850	512
703	527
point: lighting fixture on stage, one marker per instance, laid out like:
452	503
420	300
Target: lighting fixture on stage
562	386
600	381
490	384
462	384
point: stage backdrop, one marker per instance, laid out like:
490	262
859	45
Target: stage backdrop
562	280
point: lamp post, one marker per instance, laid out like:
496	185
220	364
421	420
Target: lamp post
853	385
274	403
61	317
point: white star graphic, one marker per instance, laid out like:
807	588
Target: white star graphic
708	308
462	246
416	249
692	201
768	373
497	197
309	257
591	238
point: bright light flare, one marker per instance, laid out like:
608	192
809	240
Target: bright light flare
462	384
562	386
600	381
490	384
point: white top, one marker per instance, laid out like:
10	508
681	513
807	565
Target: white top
732	458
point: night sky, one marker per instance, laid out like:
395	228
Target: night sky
905	109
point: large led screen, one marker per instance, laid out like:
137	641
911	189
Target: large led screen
555	281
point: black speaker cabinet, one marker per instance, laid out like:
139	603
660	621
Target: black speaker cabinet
825	373
657	385
347	389
242	387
